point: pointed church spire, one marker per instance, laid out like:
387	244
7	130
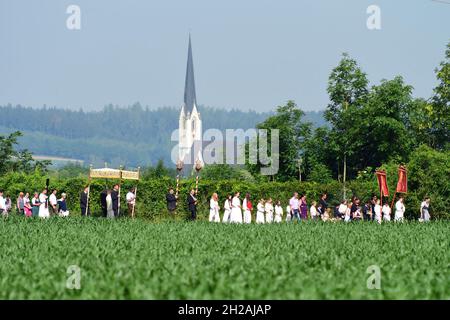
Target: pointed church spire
189	86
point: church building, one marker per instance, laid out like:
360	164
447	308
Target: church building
190	123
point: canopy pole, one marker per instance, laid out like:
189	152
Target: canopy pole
89	191
120	186
135	195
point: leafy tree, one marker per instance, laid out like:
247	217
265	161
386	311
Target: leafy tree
292	134
347	88
13	160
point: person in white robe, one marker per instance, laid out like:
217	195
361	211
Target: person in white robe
227	209
109	206
386	210
269	211
313	211
424	210
399	209
378	211
247	208
260	212
288	213
3	210
43	208
342	209
236	209
214	208
278	212
347	216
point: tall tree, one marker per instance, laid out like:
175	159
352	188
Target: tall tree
347	89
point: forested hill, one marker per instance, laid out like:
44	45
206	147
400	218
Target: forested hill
130	136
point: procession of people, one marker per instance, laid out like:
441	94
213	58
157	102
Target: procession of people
233	210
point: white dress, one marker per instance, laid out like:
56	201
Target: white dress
247	213
347	215
214	211
386	213
399	211
278	213
314	213
269	212
377	213
288	213
227	211
109	208
43	210
236	211
260	213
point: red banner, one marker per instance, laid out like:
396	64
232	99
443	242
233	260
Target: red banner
402	184
382	182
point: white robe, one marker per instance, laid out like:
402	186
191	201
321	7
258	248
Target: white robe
399	211
227	211
260	213
377	210
247	213
236	211
109	208
269	212
386	213
278	213
43	211
214	211
288	213
313	211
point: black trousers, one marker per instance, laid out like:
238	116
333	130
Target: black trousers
193	213
83	212
104	212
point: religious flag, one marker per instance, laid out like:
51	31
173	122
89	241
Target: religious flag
382	182
402	184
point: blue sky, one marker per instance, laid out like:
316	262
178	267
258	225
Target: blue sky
248	54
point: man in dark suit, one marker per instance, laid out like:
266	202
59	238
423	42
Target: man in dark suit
85	210
103	195
171	199
115	200
192	204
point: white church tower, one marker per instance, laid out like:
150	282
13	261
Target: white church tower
190	123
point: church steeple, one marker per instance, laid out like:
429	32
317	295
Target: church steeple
190	100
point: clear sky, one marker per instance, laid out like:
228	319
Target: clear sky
248	54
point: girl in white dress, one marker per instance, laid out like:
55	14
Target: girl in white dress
348	211
227	210
386	212
214	208
269	211
313	211
278	212
109	207
288	213
399	209
43	208
236	210
378	211
247	207
260	212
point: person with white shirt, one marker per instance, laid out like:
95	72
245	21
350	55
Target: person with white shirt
236	210
63	212
247	207
278	212
214	208
313	211
3	210
131	202
288	213
348	212
424	210
260	212
399	209
269	211
342	209
53	203
378	211
109	206
386	212
227	209
43	208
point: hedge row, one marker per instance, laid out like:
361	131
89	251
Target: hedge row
151	202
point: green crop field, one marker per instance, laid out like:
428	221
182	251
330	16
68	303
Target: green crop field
137	259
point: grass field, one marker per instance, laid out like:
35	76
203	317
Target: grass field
127	259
